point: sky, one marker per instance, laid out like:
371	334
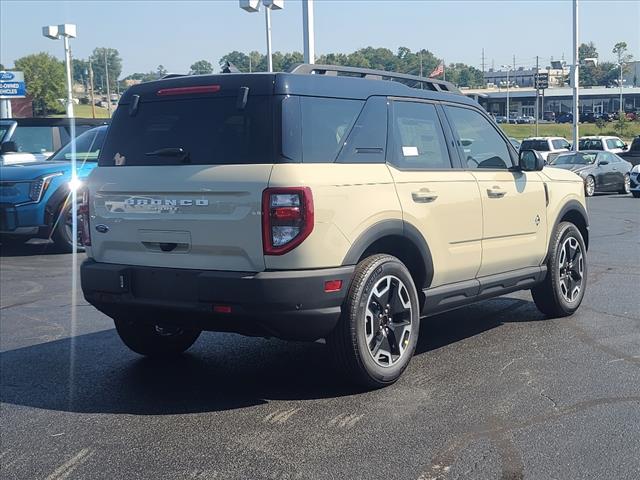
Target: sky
176	33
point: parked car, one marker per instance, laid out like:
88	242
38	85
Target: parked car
634	185
564	118
632	155
607	117
588	117
35	139
290	215
35	197
501	119
547	146
549	116
525	119
601	142
600	171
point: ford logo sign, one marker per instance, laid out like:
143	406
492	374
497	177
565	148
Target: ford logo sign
102	228
6	76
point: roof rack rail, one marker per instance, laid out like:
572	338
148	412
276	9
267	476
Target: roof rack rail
412	81
173	75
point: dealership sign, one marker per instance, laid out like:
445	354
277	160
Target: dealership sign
12	85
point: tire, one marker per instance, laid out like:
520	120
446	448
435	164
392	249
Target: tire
61	236
635	194
366	330
153	340
556	296
626	185
589	186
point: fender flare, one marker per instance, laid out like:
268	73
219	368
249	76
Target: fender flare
387	228
570	206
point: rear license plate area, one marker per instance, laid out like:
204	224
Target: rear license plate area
169	285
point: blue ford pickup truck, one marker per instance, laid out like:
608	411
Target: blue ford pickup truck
35	198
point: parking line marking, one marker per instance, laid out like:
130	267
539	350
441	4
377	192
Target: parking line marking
67	468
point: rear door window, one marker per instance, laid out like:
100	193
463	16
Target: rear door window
418	139
203	131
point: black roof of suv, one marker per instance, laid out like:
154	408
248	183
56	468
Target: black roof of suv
312	80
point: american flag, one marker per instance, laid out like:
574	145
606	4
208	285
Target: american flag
439	70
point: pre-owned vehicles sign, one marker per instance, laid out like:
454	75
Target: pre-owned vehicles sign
12	85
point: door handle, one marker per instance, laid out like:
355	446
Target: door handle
495	192
423	196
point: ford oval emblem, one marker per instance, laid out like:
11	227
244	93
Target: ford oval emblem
6	76
102	228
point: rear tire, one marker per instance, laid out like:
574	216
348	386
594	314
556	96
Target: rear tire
589	186
562	291
378	330
626	185
153	340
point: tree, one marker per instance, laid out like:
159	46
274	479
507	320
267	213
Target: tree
2	67
201	67
78	67
44	77
113	61
620	49
589	72
161	71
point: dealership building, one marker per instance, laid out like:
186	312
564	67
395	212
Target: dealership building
522	100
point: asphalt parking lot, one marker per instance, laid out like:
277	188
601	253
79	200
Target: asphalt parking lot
495	391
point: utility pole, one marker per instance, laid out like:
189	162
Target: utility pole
444	70
483	64
421	65
93	101
267	17
620	84
514	63
537	94
106	74
575	75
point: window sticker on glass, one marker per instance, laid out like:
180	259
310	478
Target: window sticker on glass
410	151
119	159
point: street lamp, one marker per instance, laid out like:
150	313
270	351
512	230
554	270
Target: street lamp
508	69
66	31
254	6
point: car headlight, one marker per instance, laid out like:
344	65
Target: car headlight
40	185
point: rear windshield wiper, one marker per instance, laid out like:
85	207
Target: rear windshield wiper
179	152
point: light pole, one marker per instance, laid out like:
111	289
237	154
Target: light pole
254	6
620	83
507	68
66	31
575	77
308	36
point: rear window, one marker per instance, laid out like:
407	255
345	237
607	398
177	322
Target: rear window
203	131
33	139
539	145
590	144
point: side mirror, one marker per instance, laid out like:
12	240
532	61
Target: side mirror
9	147
530	161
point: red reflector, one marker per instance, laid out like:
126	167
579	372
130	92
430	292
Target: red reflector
189	90
332	286
286	213
222	308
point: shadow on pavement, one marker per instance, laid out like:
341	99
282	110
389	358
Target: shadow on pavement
15	248
222	372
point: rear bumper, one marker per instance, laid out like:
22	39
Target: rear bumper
285	304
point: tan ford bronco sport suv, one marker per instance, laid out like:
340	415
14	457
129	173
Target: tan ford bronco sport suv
325	203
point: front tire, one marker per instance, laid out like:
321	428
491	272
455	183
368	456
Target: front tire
378	330
562	291
626	185
589	186
62	235
154	340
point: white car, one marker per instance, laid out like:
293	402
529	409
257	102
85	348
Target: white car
634	183
601	142
549	147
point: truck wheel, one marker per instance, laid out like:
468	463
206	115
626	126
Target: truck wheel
589	186
561	292
154	340
626	185
378	330
62	235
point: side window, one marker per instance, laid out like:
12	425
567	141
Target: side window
325	125
566	145
418	138
367	141
33	139
482	146
611	143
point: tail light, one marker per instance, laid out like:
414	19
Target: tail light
83	217
287	218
